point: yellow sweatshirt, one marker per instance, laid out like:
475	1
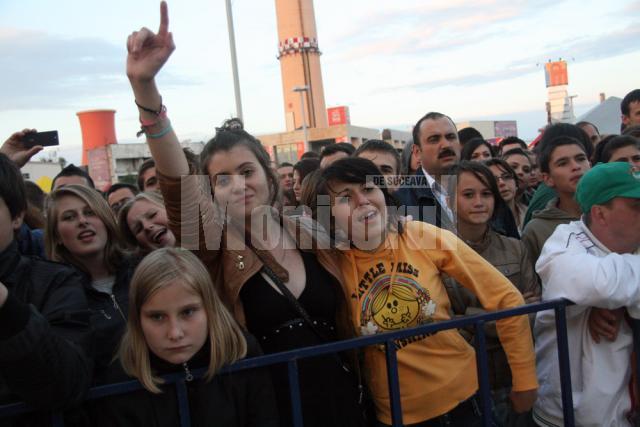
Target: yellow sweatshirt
399	286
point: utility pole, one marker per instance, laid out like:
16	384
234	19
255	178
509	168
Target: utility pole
234	60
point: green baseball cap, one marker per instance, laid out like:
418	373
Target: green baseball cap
606	181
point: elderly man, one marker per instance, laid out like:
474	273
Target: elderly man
593	262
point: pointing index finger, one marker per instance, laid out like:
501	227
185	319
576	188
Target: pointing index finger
164	18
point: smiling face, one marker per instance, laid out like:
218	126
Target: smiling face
240	183
174	322
148	223
439	146
360	212
79	229
474	200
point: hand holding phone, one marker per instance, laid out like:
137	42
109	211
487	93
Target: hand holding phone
17	149
44	139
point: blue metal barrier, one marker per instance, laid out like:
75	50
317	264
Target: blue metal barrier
291	359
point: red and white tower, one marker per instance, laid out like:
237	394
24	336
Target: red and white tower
299	57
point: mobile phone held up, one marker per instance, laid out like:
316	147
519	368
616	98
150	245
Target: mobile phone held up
45	139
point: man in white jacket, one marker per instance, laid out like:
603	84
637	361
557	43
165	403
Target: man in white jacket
593	262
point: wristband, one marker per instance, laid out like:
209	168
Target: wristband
149	110
160	134
161	116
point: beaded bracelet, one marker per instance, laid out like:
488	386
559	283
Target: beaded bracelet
149	110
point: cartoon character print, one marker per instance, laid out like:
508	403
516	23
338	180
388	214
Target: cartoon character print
389	308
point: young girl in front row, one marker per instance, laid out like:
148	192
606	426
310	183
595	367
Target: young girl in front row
392	272
178	324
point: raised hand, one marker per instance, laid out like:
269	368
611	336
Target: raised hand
148	52
15	149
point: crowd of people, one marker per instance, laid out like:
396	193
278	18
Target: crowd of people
224	256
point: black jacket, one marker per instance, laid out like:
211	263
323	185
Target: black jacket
420	202
45	334
109	316
240	399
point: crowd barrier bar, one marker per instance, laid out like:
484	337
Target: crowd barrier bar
291	359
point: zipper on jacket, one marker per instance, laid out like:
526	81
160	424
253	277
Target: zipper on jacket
187	372
117	307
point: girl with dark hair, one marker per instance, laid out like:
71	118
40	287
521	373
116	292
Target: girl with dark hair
300	171
264	266
477	149
621	148
476	199
392	273
507	182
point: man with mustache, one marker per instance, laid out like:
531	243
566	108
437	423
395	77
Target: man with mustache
435	140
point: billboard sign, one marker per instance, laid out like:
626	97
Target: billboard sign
505	128
338	116
555	73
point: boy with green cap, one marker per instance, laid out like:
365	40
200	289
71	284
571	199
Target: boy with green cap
593	262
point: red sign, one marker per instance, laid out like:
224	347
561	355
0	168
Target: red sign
338	116
99	167
556	74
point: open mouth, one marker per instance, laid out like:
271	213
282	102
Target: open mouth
159	236
86	235
368	217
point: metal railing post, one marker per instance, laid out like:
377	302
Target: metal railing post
483	374
563	364
388	339
294	390
394	383
635	327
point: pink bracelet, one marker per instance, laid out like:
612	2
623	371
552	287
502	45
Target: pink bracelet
161	116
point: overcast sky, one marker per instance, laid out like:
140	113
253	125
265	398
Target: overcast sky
390	62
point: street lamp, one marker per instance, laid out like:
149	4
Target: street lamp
300	90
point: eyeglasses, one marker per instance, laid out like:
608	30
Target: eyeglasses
504	177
